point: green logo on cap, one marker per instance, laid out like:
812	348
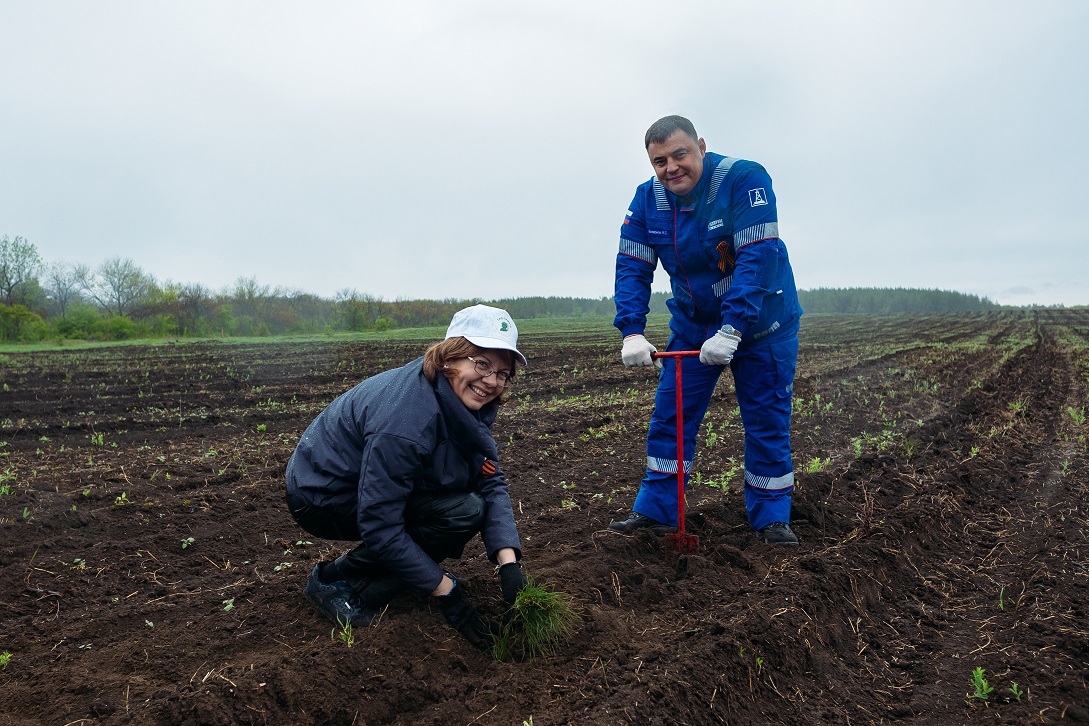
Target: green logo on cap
503	326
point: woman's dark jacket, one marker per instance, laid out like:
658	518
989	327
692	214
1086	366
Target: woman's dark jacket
391	435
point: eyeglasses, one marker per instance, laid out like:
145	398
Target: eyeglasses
484	368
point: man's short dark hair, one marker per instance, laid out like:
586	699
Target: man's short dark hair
665	127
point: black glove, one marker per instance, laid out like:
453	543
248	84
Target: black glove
511	580
460	613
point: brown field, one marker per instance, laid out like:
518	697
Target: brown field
152	575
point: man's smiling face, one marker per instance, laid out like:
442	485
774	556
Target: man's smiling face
678	162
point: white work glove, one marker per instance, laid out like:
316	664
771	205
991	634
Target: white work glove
719	350
637	351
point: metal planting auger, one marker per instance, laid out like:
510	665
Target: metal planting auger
681	541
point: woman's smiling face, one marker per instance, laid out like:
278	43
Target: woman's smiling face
474	389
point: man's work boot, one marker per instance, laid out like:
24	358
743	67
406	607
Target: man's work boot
637	521
778	533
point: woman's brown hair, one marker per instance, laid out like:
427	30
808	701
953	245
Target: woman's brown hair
441	353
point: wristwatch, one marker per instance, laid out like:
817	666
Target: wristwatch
730	330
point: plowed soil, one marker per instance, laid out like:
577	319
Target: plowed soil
152	575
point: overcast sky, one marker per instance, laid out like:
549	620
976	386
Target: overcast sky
486	149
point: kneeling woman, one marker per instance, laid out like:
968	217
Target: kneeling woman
405	462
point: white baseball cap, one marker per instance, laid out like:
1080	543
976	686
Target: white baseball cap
486	327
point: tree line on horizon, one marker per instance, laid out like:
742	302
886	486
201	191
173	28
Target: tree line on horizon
118	300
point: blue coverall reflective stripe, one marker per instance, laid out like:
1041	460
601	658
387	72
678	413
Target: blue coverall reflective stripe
727	265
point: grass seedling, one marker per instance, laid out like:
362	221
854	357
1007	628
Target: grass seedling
1001	601
538	621
1078	414
981	689
1017	692
344	632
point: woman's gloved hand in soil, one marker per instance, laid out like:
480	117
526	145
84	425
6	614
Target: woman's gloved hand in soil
459	612
511	580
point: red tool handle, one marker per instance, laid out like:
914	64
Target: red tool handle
678	354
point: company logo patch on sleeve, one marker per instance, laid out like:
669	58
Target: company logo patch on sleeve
757	197
489	468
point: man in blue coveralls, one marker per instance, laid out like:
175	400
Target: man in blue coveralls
711	222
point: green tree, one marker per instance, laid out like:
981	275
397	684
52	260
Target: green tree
80	320
19	264
16	321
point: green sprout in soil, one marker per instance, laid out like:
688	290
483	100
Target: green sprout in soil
344	632
1017	692
540	619
228	605
5	658
1077	414
981	688
187	542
